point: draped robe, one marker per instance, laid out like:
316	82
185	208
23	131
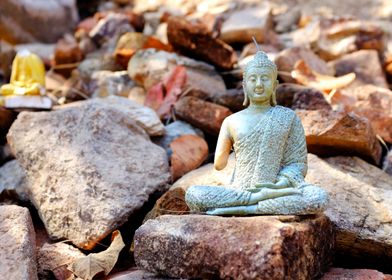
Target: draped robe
273	149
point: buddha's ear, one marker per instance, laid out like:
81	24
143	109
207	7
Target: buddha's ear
276	83
246	99
273	96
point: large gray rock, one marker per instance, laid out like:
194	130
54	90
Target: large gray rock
17	244
196	246
40	20
360	205
90	166
145	117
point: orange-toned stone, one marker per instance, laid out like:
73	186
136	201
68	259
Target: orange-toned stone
188	153
202	114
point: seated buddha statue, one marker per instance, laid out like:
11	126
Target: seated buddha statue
270	156
27	75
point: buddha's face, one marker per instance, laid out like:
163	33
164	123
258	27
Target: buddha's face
260	84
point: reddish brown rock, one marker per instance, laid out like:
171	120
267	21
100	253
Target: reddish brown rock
17	244
365	64
188	153
202	114
355	274
195	40
374	103
331	133
195	246
66	54
301	97
286	60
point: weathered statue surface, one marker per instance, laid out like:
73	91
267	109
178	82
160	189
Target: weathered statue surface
270	152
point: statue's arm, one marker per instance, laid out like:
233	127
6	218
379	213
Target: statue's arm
223	147
294	165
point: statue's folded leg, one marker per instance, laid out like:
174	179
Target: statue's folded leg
313	200
204	198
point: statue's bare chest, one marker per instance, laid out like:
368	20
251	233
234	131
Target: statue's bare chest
242	125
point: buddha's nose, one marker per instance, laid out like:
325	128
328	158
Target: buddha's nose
258	83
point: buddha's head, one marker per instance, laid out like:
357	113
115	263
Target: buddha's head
260	80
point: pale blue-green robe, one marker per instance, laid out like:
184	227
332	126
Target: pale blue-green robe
275	148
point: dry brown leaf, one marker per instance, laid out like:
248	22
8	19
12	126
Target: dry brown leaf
304	75
89	266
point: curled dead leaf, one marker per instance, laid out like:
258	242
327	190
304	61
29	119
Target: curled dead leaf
304	75
92	264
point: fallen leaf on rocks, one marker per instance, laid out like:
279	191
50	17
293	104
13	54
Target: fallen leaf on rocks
89	266
163	95
304	75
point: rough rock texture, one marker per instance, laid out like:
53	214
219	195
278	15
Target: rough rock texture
144	116
202	114
17	244
330	133
260	247
287	58
360	196
365	64
19	20
355	274
241	25
300	97
13	181
374	103
148	67
106	83
52	258
194	40
91	166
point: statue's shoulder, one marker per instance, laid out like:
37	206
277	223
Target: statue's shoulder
284	111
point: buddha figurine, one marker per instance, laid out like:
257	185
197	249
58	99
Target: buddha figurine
27	76
270	156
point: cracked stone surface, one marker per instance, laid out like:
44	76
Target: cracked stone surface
90	167
17	244
199	246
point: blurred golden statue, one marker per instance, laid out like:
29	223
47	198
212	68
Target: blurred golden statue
27	76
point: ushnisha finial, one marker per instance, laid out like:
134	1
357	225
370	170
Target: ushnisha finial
260	60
